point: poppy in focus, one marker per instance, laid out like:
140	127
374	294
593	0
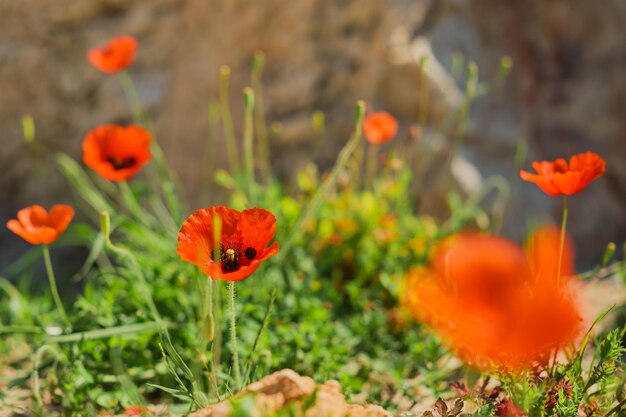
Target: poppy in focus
561	178
243	241
36	226
117	153
380	127
496	305
114	56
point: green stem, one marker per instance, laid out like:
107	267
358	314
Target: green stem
217	340
145	292
233	336
227	120
372	165
133	98
316	200
53	288
562	243
131	202
208	325
260	332
248	148
164	177
259	115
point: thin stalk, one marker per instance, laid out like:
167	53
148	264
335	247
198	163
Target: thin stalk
133	97
259	115
53	288
217	340
562	243
260	332
208	324
105	225
471	86
617	408
131	202
163	176
248	146
233	335
316	200
371	164
227	119
423	93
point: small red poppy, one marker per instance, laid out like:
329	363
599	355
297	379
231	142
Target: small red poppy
135	410
244	239
36	226
117	153
114	56
560	178
380	127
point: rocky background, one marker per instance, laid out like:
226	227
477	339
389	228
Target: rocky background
565	93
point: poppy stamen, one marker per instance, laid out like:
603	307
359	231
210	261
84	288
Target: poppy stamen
229	258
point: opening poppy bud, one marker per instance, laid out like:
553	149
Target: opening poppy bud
208	327
608	253
248	98
225	72
258	61
28	128
105	226
318	121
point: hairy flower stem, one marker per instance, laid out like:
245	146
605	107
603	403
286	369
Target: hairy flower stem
233	336
562	244
53	288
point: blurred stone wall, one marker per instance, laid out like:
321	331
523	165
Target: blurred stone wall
564	95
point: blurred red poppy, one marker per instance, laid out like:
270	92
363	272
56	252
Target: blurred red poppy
243	241
35	225
117	153
507	408
380	127
560	178
135	410
114	56
496	306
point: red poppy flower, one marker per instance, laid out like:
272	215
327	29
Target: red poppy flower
114	56
117	153
380	127
495	305
558	177
35	225
243	242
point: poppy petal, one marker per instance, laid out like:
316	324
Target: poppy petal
560	178
258	227
117	153
116	55
60	216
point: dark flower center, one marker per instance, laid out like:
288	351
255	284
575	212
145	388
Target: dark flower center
121	163
250	253
230	257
